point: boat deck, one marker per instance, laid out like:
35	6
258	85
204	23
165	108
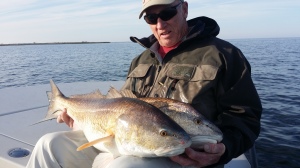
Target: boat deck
22	106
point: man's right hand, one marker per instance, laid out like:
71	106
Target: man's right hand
64	117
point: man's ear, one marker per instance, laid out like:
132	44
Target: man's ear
185	7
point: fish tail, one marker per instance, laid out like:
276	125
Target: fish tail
55	91
53	107
45	119
52	97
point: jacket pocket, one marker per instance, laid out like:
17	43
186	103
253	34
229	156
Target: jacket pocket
139	81
191	80
140	71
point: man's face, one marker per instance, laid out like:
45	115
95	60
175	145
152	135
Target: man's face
169	33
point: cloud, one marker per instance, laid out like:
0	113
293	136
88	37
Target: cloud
237	9
65	20
11	4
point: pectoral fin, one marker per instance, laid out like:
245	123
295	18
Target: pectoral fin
89	144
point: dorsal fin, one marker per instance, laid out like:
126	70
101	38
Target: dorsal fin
95	94
127	93
113	93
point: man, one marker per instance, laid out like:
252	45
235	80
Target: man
183	60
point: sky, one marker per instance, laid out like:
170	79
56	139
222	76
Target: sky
40	21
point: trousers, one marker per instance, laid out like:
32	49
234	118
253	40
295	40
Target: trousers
58	150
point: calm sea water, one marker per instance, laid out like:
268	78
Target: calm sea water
275	72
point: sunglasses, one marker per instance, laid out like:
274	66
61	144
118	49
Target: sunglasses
164	15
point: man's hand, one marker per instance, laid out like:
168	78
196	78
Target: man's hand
211	155
64	117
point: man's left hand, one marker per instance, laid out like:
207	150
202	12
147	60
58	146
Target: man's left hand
211	155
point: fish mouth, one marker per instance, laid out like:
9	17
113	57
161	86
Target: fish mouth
199	141
169	152
172	151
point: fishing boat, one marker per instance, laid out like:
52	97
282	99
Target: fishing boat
20	107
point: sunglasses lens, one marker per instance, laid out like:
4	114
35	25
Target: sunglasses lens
167	14
151	18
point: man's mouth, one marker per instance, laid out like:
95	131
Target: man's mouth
165	33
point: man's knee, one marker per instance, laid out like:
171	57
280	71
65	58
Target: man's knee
50	140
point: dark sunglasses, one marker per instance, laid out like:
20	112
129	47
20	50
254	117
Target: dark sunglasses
164	15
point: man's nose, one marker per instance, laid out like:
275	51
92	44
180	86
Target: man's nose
160	23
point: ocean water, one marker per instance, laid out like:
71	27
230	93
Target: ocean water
36	64
275	72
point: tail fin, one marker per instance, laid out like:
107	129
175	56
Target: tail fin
52	108
55	90
55	93
47	118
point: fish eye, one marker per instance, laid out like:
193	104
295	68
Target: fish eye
163	133
197	121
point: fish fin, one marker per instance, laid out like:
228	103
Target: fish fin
43	120
95	94
113	93
99	93
49	95
53	107
112	148
102	160
127	93
89	144
54	89
55	92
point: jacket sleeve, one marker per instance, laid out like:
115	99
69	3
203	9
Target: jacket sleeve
239	105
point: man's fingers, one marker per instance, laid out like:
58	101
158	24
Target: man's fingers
63	117
215	148
59	120
195	155
184	161
210	156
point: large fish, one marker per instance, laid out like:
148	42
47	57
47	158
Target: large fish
121	126
200	129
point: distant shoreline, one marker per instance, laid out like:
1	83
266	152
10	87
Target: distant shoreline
83	42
